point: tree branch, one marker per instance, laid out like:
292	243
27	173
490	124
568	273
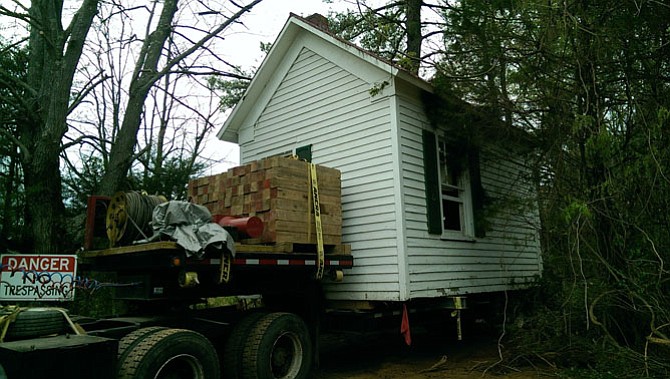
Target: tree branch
24	150
12	81
204	40
76	35
19	16
211	73
90	86
79	140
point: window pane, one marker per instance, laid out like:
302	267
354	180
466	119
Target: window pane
453	192
446	176
451	212
450	191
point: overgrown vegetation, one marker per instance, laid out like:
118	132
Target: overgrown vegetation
588	81
11	186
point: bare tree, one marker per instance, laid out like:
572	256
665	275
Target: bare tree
146	74
54	53
48	96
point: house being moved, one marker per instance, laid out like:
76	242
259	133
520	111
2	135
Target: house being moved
422	221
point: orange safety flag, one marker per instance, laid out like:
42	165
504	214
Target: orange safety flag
404	326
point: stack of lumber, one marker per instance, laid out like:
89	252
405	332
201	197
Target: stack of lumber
278	191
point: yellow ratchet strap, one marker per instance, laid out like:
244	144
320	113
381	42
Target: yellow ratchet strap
7	319
224	269
317	219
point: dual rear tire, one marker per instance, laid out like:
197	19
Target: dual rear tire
261	346
162	353
279	346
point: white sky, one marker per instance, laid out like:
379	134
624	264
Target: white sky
266	20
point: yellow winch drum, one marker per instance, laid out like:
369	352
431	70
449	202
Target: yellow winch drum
129	217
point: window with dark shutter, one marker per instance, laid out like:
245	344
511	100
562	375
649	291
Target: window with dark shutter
304	153
450	191
452	187
478	196
432	181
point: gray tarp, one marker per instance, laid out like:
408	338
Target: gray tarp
191	226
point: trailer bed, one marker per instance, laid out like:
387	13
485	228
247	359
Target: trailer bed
245	255
154	271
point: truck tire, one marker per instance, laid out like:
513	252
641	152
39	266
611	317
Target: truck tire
129	341
233	350
171	353
36	322
279	347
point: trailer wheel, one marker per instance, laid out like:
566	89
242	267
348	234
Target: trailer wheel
36	322
279	347
171	354
233	351
129	341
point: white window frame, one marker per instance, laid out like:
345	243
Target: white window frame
464	198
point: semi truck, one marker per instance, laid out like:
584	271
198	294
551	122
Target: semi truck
233	307
239	310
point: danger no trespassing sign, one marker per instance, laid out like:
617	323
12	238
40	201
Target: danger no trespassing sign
30	277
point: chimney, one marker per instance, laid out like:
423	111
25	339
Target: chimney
319	21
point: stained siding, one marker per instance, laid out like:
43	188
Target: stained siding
319	103
507	258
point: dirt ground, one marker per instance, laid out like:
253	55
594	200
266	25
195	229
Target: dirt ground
356	356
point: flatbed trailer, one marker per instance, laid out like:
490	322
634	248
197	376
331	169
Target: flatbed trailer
267	325
156	271
250	311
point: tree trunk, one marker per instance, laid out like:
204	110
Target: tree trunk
414	37
53	58
146	74
44	202
9	213
122	153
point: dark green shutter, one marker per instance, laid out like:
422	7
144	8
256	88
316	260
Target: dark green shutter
432	179
477	193
304	153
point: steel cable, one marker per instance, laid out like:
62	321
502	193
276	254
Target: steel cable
129	217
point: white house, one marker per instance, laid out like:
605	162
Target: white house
407	213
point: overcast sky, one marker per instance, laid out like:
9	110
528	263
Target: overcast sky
266	20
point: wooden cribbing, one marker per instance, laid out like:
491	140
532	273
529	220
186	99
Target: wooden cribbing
276	190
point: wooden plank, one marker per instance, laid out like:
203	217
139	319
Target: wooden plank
288	194
308	218
326	187
289	247
295	226
275	248
303	172
284	247
280	237
139	248
341	249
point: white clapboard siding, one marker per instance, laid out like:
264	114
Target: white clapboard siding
506	258
314	89
320	103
